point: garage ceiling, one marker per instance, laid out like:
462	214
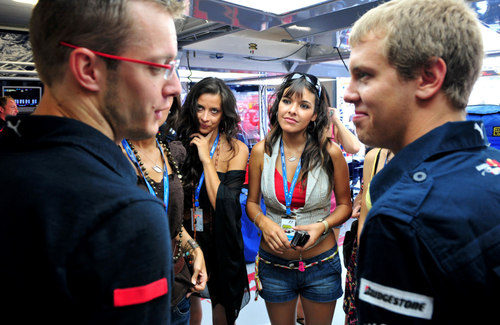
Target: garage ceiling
221	36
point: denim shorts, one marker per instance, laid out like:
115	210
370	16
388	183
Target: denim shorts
320	283
180	313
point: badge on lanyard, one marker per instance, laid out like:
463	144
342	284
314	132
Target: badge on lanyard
288	221
196	219
196	211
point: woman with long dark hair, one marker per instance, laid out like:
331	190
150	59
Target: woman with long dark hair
214	173
295	168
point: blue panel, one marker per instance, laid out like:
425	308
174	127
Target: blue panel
490	115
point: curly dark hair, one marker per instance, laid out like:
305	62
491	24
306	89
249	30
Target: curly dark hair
318	138
188	124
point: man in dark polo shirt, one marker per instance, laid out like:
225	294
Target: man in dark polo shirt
429	250
80	242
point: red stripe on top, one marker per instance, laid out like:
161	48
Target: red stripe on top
299	192
141	294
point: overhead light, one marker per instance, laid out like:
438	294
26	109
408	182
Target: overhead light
30	2
269	81
196	75
305	29
276	7
261	82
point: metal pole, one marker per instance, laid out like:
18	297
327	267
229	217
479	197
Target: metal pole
263	116
30	73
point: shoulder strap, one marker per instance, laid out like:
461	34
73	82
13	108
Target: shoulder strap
375	163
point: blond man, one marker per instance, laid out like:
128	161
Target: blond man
430	246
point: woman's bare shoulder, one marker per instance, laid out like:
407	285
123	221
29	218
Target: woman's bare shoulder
240	147
370	156
259	146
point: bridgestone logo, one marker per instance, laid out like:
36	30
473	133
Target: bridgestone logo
408	304
397	301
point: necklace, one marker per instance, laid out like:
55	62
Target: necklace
177	171
170	160
156	167
291	157
178	251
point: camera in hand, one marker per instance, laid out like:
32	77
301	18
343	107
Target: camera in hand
300	239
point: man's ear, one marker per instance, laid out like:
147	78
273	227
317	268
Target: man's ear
431	78
86	69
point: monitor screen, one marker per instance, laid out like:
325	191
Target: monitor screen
27	98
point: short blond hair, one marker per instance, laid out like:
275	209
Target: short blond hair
415	31
99	25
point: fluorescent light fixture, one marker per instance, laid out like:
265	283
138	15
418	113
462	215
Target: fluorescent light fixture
276	7
262	82
30	2
300	28
271	81
197	75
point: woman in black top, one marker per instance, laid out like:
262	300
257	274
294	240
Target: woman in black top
157	163
214	174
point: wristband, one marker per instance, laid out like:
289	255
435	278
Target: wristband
194	245
255	219
325	223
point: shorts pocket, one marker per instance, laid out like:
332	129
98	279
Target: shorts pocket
334	263
182	308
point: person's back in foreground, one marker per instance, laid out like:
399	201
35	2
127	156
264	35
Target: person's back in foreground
81	243
430	247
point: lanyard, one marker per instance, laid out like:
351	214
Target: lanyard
288	194
202	178
165	172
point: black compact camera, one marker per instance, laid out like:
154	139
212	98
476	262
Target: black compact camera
300	239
